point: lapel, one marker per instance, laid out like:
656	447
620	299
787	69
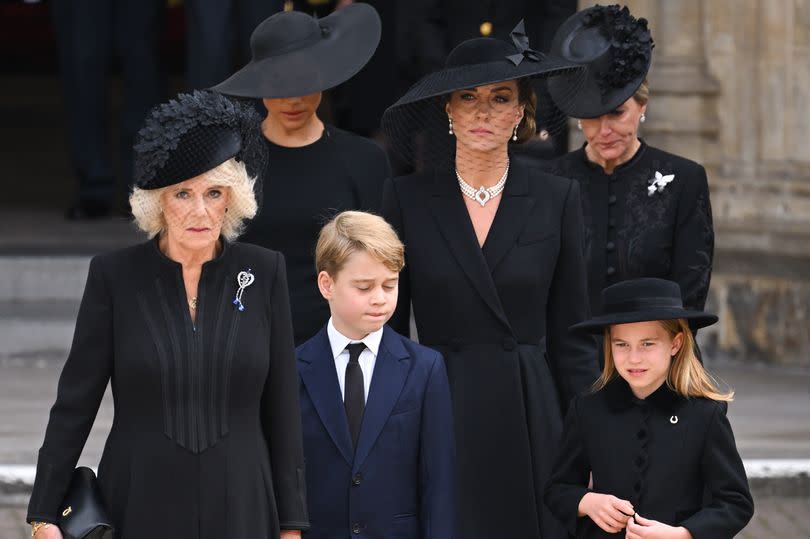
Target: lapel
320	379
390	372
510	219
454	223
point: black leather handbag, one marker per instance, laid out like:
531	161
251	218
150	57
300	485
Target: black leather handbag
84	515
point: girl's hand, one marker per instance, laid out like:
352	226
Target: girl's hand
290	534
608	512
639	527
49	532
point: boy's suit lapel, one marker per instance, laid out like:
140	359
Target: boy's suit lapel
320	379
390	372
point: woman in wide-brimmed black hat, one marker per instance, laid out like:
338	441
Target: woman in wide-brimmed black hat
653	436
495	272
647	212
192	330
314	169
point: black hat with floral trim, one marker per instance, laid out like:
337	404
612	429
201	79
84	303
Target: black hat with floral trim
615	49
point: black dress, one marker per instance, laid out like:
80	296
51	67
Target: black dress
206	440
630	233
674	459
500	316
304	188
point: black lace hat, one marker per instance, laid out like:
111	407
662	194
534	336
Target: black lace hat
294	54
615	49
194	133
643	300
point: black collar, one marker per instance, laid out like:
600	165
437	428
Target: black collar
624	166
620	397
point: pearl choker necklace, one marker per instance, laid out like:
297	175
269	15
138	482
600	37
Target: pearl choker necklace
482	195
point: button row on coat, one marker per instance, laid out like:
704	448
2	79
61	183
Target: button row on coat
610	247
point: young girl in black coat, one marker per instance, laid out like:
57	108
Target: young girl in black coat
653	434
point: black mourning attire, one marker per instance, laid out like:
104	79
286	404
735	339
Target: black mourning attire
631	233
303	188
499	315
206	440
665	454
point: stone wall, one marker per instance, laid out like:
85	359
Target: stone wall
730	88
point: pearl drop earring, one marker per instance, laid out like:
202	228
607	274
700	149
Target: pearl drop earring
514	132
450	130
643	118
579	125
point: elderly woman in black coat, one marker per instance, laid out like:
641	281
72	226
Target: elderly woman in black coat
193	332
647	212
495	271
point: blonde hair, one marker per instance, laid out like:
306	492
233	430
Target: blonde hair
352	231
642	95
148	213
686	376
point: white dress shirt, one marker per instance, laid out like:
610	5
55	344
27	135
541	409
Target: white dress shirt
367	359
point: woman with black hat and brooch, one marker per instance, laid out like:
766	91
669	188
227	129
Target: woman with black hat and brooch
654	435
193	332
495	272
647	212
317	170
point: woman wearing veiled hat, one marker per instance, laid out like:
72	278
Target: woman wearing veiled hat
495	272
192	330
317	169
647	212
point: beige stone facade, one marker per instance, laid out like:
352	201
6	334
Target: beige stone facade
730	87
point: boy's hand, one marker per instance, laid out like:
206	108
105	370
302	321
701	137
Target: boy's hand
639	527
608	512
290	534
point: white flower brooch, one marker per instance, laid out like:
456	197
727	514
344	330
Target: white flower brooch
658	183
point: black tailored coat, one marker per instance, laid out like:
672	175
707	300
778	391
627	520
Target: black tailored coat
500	316
674	459
631	234
206	439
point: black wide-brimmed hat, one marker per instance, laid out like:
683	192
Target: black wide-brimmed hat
615	49
194	133
643	300
294	54
420	114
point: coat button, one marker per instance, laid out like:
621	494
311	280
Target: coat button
611	270
610	246
356	528
509	344
612	199
357	479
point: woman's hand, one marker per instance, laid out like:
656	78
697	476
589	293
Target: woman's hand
49	532
639	527
608	512
290	534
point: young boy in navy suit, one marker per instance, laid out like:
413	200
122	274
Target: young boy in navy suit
376	412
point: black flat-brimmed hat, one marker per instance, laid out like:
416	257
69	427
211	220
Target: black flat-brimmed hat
294	54
194	133
615	49
643	300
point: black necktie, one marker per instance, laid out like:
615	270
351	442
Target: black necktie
354	394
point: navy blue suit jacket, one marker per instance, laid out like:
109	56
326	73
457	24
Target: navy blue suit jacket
400	482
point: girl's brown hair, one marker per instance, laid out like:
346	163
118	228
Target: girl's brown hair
686	377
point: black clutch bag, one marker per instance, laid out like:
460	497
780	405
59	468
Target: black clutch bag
84	515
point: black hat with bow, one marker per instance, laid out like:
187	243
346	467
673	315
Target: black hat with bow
194	133
615	49
643	300
294	54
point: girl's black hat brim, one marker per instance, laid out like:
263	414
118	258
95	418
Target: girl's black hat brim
597	325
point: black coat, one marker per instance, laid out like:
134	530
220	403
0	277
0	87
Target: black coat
630	234
500	317
674	459
303	188
206	440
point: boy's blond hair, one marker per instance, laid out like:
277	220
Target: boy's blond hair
353	231
686	377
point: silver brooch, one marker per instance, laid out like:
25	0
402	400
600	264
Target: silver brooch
658	183
244	280
673	419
